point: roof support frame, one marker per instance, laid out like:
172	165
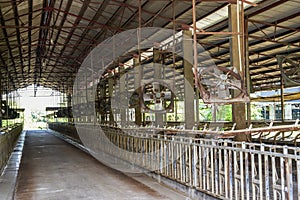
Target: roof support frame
15	9
7	43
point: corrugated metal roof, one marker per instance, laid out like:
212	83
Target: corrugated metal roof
44	42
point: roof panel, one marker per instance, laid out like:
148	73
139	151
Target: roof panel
88	23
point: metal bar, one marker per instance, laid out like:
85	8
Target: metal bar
247	178
236	176
207	168
260	172
275	41
276	25
226	164
221	173
274	177
266	177
282	175
200	166
194	165
216	171
212	168
289	175
204	175
298	175
253	175
242	173
230	171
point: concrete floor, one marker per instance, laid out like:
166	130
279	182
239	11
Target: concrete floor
53	169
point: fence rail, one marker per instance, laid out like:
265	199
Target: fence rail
221	168
8	139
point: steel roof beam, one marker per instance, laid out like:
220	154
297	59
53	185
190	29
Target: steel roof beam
257	29
273	4
77	21
40	50
7	72
15	8
30	8
275	24
278	44
68	6
7	42
95	17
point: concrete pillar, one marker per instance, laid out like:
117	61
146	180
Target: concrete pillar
272	111
102	100
288	112
110	94
189	110
236	52
159	117
137	85
69	105
247	71
123	94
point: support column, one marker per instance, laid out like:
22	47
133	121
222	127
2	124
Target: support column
272	110
1	98
247	67
137	86
236	52
69	105
282	98
102	101
288	115
110	94
122	94
159	119
189	110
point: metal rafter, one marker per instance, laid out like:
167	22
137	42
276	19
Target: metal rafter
7	43
77	21
16	14
96	16
30	8
40	50
68	6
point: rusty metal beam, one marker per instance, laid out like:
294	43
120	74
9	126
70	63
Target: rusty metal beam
81	17
275	24
274	41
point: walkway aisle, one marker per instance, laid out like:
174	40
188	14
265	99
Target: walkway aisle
53	169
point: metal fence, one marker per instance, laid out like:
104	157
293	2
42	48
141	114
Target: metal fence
8	139
221	168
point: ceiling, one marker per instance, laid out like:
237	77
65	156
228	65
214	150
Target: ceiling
45	42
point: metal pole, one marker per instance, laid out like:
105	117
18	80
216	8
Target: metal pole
282	97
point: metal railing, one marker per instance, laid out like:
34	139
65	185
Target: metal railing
221	168
8	139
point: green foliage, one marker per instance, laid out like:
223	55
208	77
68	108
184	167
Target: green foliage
256	112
